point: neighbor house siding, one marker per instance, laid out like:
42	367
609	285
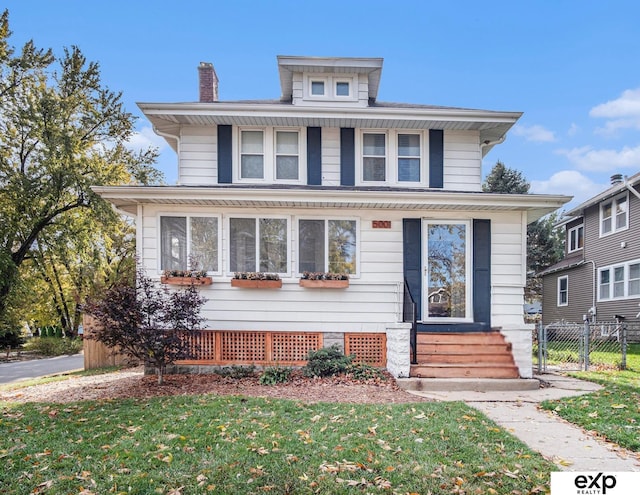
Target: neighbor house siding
198	156
462	161
579	295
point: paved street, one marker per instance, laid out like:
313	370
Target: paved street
22	370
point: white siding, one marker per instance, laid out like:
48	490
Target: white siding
297	89
198	156
330	156
462	161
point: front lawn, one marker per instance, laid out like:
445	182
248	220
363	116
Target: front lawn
223	444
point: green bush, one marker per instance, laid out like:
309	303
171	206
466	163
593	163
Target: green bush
327	361
53	346
275	375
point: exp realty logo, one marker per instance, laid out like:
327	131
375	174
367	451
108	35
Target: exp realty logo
594	483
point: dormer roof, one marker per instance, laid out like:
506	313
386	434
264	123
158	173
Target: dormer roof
288	65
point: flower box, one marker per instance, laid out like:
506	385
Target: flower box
186	280
324	284
256	284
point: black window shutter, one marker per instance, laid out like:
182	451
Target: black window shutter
314	156
225	164
412	259
482	273
436	158
347	157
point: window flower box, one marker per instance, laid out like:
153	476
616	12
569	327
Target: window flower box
256	280
185	277
321	280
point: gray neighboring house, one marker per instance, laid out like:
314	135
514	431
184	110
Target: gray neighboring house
600	274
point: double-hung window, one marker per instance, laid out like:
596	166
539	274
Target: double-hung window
563	291
576	238
327	246
408	157
252	154
258	245
448	270
374	157
614	215
619	281
189	242
287	152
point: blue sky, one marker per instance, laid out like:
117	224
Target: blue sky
572	67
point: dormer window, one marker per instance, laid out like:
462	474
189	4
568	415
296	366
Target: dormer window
576	238
317	88
614	215
343	88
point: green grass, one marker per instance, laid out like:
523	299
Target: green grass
614	411
213	444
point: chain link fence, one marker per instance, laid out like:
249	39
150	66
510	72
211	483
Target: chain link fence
566	346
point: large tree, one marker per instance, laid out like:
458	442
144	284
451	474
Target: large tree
61	131
545	245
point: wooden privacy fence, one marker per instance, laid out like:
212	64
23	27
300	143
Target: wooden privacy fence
96	354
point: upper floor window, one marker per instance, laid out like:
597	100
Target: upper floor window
327	246
317	88
563	291
374	161
619	281
614	215
270	155
258	245
326	88
576	238
189	242
343	88
408	157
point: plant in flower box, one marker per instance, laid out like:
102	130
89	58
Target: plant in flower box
256	280
185	277
324	280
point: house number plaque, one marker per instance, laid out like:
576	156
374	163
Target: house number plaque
381	224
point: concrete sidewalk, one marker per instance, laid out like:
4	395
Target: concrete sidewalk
568	446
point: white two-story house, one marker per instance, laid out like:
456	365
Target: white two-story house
327	179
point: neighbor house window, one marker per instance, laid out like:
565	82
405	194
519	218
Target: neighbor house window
448	275
563	291
251	154
408	158
619	281
287	151
614	215
327	246
189	242
258	245
576	238
374	157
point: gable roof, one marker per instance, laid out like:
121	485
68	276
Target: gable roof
627	182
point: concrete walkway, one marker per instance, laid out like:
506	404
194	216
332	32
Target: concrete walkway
568	446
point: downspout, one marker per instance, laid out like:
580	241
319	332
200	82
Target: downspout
171	136
492	143
593	288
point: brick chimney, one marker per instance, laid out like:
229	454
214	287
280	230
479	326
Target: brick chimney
208	82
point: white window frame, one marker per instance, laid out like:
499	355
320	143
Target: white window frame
330	87
391	158
468	271
227	243
269	155
573	236
611	269
613	218
385	156
326	241
559	302
189	216
347	81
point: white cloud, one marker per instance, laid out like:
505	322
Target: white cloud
573	129
623	112
535	133
145	138
571	183
603	160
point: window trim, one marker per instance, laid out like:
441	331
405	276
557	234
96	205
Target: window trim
188	216
575	230
559	291
326	220
391	158
612	281
614	201
227	224
269	155
468	318
330	87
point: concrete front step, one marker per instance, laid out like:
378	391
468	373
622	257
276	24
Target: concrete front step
464	370
468	384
